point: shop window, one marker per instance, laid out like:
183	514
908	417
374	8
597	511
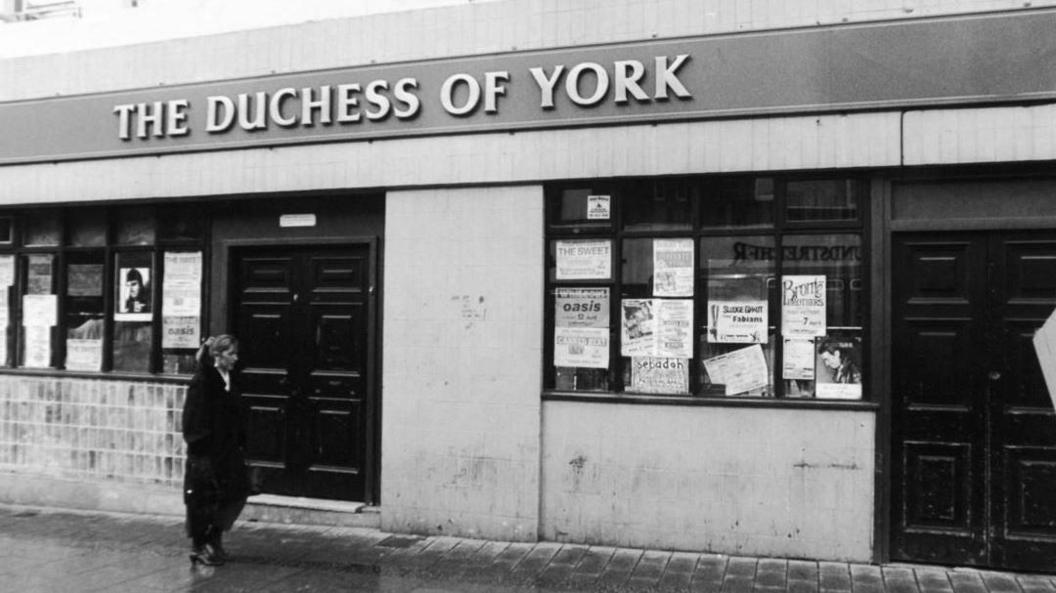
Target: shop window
699	289
87	228
135	226
42	229
89	304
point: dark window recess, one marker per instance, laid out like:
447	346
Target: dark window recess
89	292
725	286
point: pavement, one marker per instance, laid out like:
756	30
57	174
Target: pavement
57	551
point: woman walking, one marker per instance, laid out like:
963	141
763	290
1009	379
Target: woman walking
215	484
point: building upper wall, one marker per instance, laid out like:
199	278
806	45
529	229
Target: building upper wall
87	57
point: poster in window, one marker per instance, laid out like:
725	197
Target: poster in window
581	347
39	310
738	322
599	207
674	322
181	301
673	267
584	260
581	307
838	368
798	357
4	321
133	294
803	306
659	375
637	328
38	347
84	355
38	274
1045	348
84	280
741	370
7	270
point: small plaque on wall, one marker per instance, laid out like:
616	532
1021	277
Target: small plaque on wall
295	220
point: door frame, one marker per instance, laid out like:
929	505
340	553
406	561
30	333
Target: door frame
885	228
220	323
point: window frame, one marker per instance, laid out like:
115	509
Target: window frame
777	230
109	252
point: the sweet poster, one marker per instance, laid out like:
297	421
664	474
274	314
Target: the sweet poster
584	260
673	267
638	328
181	301
803	306
659	375
741	370
674	322
581	347
738	322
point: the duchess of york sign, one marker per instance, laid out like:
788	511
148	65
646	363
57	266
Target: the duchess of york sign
825	69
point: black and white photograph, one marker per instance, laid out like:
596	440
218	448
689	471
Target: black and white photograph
511	296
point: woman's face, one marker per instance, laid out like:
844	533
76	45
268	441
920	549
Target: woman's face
225	361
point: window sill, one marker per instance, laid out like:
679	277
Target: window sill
724	402
113	375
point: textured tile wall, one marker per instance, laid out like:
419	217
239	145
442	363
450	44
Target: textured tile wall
92	429
789	482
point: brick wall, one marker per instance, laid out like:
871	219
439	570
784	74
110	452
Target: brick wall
92	430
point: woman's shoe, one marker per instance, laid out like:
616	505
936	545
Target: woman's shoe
217	543
205	555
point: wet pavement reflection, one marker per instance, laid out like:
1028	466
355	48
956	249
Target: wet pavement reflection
49	551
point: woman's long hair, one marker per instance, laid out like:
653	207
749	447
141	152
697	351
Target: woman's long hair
213	346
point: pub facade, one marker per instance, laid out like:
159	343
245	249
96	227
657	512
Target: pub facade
658	274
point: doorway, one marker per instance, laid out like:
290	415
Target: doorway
973	427
306	319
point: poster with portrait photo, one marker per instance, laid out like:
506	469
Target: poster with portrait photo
133	294
838	367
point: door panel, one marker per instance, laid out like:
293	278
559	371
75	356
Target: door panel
303	314
974	432
1023	435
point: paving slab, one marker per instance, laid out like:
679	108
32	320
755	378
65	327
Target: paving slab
56	551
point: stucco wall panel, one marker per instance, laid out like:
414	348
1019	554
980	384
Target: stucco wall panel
460	427
816	142
73	57
797	483
948	136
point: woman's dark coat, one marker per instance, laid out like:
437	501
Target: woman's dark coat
214	427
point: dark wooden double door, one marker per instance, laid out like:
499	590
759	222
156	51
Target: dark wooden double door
974	432
304	316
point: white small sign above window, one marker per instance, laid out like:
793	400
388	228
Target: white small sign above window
295	220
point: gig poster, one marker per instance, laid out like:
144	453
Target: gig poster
584	260
803	305
673	270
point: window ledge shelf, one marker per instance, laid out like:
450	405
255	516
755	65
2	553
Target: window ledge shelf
100	376
723	402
